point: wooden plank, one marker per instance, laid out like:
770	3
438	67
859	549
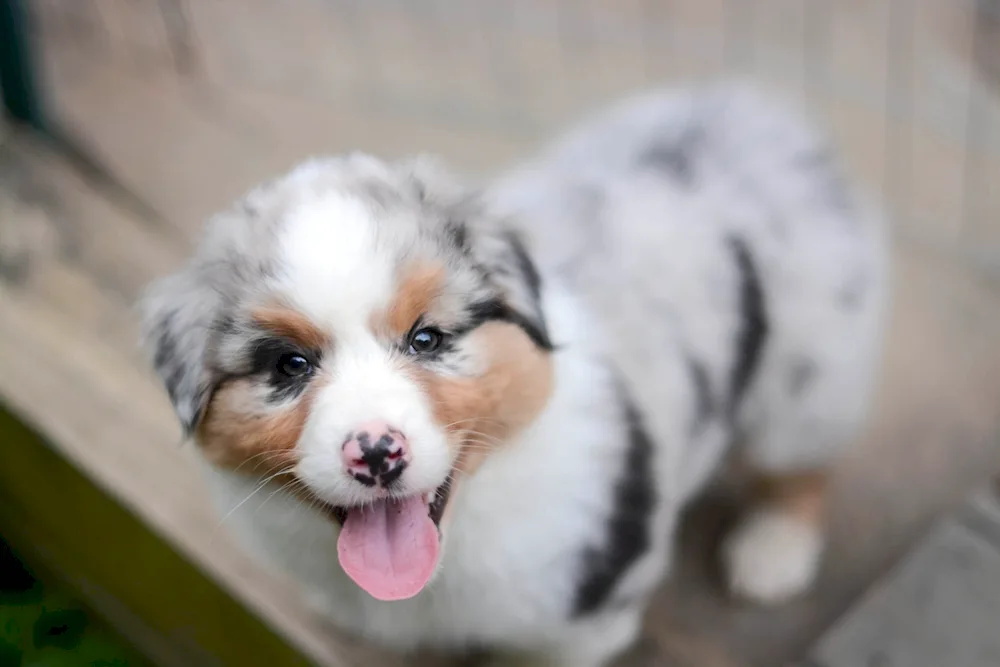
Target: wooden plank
53	213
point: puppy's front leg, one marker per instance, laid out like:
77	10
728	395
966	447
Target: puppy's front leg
775	552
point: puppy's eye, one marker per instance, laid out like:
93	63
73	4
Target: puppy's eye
293	365
425	340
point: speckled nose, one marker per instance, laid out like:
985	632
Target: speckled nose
375	454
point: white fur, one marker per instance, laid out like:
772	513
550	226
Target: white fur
772	557
364	385
640	290
330	241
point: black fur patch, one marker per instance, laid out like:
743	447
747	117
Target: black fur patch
265	352
172	368
703	407
511	268
526	266
751	335
496	310
166	363
628	530
264	358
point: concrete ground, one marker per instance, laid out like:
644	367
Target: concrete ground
938	607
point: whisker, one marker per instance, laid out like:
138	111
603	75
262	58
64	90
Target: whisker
267	456
260	486
272	495
484	442
485	436
479	446
303	497
473	419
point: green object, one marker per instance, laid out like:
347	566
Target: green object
42	626
18	77
175	614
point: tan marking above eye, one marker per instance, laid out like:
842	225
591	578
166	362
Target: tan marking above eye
415	292
291	324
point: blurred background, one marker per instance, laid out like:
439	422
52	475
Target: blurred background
131	121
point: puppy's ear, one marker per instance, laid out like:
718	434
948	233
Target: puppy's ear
500	249
479	229
178	315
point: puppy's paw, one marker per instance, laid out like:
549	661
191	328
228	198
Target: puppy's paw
772	557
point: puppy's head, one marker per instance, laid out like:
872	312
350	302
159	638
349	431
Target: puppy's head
366	332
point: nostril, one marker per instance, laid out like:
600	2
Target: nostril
375	453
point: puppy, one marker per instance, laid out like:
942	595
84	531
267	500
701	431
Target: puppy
469	418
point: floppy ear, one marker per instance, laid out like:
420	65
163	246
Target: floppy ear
178	313
501	251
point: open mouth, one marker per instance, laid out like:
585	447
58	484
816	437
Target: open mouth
390	546
436	501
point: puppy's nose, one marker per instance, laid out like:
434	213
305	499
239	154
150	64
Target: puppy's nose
375	453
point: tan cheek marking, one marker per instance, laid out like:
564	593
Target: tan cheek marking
481	411
415	293
238	432
801	495
291	324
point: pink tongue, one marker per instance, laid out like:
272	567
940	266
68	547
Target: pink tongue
389	549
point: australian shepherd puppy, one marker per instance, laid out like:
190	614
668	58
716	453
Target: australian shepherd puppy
470	417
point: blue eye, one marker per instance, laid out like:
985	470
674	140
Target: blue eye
424	341
294	365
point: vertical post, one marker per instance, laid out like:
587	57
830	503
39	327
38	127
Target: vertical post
17	74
